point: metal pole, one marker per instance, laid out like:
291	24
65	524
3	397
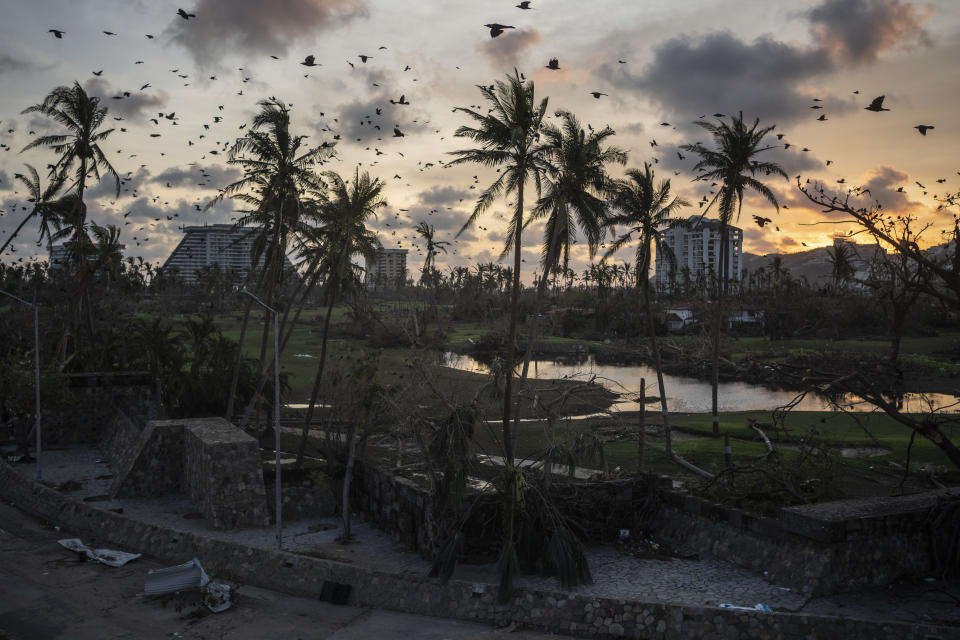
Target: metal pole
276	422
36	368
36	378
276	414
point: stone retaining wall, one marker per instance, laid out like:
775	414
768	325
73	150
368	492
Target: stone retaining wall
96	397
542	610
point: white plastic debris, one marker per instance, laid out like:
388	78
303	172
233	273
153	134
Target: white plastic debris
757	607
216	596
108	557
182	577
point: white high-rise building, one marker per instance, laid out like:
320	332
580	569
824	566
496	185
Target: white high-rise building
221	244
696	252
388	269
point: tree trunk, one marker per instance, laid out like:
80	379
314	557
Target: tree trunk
717	321
315	392
658	364
508	438
235	377
352	434
641	428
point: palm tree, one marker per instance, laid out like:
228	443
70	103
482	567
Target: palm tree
427	232
81	116
46	206
575	187
340	233
645	209
842	269
732	164
278	170
507	137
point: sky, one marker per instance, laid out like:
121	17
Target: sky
661	65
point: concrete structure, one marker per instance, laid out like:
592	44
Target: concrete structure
220	244
58	254
388	269
696	252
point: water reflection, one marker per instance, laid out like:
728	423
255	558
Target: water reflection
686	394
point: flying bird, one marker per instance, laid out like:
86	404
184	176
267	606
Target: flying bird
876	105
554	64
110	33
186	16
397	133
524	5
97	73
309	62
57	33
597	94
761	221
364	58
923	128
822	117
495	29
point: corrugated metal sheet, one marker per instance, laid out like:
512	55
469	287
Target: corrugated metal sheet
183	577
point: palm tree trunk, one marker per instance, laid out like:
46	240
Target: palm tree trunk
17	231
235	378
508	438
658	364
717	321
315	392
352	435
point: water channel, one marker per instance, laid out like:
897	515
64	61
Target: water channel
692	395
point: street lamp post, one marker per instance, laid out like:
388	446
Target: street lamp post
276	410
36	370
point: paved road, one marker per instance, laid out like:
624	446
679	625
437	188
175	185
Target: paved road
46	593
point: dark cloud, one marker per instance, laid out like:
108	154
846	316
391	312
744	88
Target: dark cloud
136	105
359	120
884	183
257	27
9	64
442	219
860	30
441	196
504	51
719	73
198	177
6	182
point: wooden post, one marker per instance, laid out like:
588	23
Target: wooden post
642	426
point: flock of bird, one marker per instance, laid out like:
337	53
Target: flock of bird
374	122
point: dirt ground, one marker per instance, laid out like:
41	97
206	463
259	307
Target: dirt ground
47	593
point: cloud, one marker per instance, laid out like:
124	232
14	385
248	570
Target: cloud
9	64
209	177
860	30
504	51
6	182
136	105
257	27
884	183
720	73
440	196
360	120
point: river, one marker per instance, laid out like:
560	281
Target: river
692	395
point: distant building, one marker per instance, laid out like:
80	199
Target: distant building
220	244
388	269
58	254
696	252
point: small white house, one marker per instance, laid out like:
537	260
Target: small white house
678	318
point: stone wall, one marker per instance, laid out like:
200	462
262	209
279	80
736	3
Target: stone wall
154	464
305	495
96	397
223	474
534	609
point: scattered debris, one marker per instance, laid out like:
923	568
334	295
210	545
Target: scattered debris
108	557
757	607
216	596
182	577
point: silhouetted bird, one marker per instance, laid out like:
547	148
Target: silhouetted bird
57	33
309	62
524	5
97	73
761	221
186	16
554	64
364	58
397	133
822	117
923	128
876	105
402	100
495	29
110	33
597	94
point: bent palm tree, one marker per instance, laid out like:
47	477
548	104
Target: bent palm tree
574	192
427	232
645	209
506	136
733	164
46	205
340	233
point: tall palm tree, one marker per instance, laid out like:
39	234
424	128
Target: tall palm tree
46	205
645	210
574	194
79	145
427	232
732	163
279	168
340	232
507	137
